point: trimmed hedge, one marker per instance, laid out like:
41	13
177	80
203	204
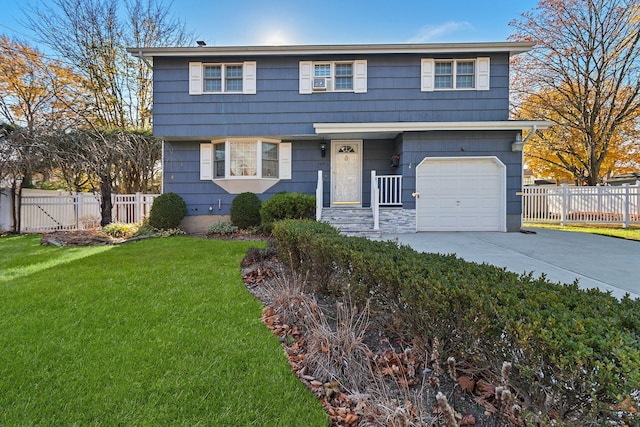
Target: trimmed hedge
575	352
287	206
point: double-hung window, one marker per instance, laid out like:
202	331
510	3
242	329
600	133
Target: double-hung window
220	78
232	78
455	74
333	76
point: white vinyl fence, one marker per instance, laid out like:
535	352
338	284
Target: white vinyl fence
41	213
564	204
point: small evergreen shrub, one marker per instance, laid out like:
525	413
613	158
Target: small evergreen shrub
167	211
287	206
245	211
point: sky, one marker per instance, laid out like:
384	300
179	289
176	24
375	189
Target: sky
264	22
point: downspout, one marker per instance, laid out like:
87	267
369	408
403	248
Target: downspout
144	59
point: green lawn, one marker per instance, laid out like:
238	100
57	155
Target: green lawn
153	333
631	233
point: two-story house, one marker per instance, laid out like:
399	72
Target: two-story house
413	131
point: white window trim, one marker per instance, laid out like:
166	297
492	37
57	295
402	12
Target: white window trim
196	78
239	184
359	77
481	74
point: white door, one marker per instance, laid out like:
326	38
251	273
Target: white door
461	194
346	173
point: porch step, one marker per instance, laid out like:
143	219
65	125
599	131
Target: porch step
351	221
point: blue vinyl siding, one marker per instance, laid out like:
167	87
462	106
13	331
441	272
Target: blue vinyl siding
393	95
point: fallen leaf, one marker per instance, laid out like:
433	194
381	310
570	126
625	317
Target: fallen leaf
467	384
351	418
468	420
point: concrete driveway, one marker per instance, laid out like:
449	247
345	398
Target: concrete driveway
607	263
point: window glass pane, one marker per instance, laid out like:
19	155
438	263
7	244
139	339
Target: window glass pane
464	81
233	85
443	82
464	68
213	78
213	85
464	74
219	160
234	71
243	158
322	70
212	71
444	68
344	70
269	160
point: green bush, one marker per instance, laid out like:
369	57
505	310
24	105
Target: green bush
287	206
575	353
245	210
167	211
222	228
121	230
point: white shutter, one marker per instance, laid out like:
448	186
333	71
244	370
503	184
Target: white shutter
360	76
206	161
482	73
285	160
195	78
427	74
306	69
249	78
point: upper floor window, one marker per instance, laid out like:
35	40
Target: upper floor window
333	76
455	74
222	78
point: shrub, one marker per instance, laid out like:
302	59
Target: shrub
287	206
222	228
245	210
121	230
575	353
167	211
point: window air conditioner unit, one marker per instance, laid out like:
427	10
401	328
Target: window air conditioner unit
320	83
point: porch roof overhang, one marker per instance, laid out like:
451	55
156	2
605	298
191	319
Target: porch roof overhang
395	128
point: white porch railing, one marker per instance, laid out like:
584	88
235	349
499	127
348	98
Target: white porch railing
79	211
564	204
375	201
319	201
390	187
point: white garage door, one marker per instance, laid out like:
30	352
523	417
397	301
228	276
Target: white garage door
461	194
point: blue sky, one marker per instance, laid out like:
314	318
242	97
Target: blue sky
260	22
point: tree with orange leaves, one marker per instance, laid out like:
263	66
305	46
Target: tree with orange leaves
583	76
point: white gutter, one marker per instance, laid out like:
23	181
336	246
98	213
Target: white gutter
397	127
512	48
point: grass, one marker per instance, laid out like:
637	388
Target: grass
631	233
157	332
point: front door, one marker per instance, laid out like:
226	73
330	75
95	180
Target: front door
346	173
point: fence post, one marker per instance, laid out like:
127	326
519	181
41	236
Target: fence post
78	199
565	204
138	208
627	205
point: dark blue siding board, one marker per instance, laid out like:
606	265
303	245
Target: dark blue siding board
393	95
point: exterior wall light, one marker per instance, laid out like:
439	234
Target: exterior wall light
323	149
